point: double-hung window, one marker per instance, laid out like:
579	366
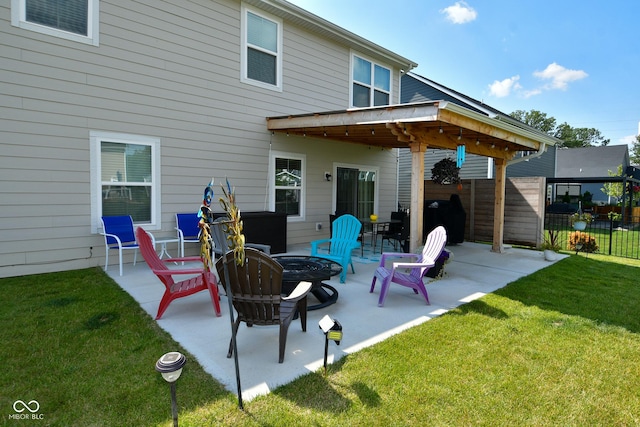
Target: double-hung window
261	49
125	177
288	184
370	83
75	20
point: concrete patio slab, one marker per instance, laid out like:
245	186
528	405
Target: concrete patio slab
191	321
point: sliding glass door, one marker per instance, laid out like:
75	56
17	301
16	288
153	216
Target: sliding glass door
355	191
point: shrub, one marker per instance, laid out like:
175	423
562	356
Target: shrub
585	242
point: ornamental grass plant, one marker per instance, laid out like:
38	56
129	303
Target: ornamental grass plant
558	347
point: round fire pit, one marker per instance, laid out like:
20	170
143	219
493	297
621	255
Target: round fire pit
300	268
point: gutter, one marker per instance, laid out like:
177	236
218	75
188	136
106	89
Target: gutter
540	152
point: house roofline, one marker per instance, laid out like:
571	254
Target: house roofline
479	105
308	20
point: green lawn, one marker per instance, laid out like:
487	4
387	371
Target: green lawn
559	347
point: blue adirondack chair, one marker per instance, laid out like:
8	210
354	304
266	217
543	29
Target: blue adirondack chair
344	239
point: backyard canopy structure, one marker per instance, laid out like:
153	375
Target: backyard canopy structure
418	126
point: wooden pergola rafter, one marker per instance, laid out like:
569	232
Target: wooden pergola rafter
435	124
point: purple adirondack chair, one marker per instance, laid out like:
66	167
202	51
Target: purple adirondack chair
412	278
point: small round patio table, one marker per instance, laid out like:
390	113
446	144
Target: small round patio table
301	268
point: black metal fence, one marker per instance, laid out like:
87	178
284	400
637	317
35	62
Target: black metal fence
613	235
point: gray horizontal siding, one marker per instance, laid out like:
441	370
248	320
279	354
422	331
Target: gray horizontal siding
544	165
164	69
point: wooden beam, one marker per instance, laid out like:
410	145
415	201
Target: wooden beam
446	141
364	117
417	195
498	208
487	129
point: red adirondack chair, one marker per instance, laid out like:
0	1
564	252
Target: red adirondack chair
174	290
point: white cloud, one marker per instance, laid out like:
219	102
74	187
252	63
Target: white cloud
559	76
460	13
532	92
503	88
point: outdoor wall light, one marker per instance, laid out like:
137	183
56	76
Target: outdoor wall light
170	366
327	176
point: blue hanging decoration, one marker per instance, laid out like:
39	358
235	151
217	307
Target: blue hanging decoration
461	155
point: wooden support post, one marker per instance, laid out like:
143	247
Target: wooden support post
498	208
417	194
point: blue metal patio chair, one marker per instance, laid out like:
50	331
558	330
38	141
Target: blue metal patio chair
187	228
344	239
118	234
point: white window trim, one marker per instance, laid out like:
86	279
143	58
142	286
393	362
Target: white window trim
244	46
272	183
372	85
96	138
19	14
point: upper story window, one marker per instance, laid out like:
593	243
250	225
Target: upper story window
125	177
288	184
75	20
370	83
261	49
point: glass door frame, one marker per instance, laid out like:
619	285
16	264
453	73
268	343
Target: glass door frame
360	167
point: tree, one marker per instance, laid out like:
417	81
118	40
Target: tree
571	137
614	189
634	156
536	119
579	137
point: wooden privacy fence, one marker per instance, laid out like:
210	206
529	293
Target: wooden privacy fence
523	211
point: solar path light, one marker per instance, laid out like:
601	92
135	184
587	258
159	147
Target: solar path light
170	366
332	331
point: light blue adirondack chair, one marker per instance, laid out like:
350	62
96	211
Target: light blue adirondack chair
344	239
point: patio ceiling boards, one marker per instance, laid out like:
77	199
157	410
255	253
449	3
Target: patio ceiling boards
434	124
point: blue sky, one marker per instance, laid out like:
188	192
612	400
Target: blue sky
577	61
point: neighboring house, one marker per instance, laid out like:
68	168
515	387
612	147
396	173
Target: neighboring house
416	88
130	107
582	167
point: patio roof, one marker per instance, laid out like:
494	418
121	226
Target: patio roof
418	126
439	124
